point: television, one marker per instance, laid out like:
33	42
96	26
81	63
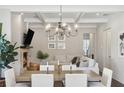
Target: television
28	38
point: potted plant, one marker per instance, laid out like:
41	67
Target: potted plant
7	53
42	56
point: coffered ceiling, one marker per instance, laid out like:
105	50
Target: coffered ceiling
87	16
82	18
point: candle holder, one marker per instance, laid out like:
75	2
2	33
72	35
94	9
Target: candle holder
59	69
70	68
47	70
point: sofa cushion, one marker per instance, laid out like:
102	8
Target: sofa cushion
84	64
74	60
91	62
78	62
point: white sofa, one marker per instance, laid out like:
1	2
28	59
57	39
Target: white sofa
65	59
91	65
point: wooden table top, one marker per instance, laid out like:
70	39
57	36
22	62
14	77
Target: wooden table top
58	76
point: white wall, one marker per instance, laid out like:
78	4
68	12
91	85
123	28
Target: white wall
5	18
74	45
116	22
17	34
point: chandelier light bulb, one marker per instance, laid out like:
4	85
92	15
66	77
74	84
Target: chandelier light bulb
76	26
64	24
48	26
57	29
69	28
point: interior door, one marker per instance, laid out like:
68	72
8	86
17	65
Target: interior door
108	49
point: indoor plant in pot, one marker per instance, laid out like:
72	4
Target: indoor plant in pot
42	56
7	53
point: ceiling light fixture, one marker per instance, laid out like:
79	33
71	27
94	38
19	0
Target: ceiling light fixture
62	29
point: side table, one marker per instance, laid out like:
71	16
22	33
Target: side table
2	82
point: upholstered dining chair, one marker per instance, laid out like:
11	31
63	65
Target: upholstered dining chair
44	67
105	81
67	67
42	80
10	79
75	80
96	68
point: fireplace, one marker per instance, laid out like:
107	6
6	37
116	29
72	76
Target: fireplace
25	59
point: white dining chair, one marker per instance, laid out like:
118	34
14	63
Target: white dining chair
10	80
96	68
44	67
67	67
75	80
105	81
42	80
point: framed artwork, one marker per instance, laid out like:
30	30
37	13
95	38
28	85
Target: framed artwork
51	45
61	38
61	45
121	44
52	38
0	28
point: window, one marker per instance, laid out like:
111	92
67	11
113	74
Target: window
86	43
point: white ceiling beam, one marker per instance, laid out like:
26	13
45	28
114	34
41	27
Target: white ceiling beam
40	17
87	27
78	17
93	20
32	20
66	8
80	27
54	20
68	20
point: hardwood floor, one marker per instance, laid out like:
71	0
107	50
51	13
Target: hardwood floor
58	84
115	83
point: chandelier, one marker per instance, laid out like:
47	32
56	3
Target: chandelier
62	28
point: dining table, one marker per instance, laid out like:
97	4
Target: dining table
58	74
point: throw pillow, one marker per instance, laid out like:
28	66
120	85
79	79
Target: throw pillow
74	60
78	62
91	62
84	64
